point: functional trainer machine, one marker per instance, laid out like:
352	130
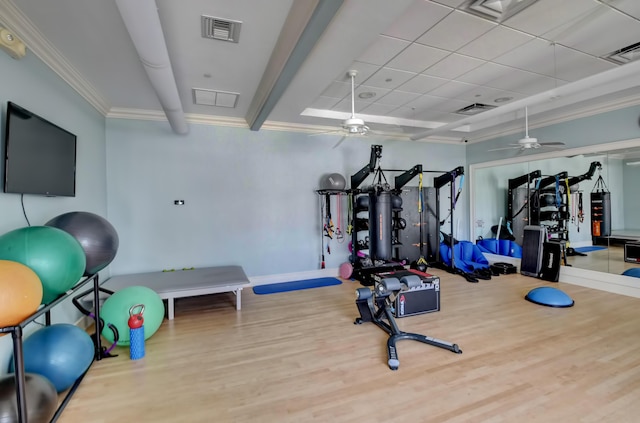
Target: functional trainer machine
377	304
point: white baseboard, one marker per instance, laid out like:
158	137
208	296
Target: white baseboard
296	276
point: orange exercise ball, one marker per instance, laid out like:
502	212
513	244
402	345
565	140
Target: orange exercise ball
20	292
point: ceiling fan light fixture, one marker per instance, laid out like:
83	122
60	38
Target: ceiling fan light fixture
497	10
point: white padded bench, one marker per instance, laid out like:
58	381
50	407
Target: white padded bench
185	283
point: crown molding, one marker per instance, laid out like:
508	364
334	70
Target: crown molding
45	51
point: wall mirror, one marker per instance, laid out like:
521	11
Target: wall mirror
617	171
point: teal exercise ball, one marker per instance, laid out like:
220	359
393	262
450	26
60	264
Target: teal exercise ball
40	396
61	352
116	311
55	256
98	238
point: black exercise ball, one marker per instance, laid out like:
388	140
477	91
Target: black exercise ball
362	202
396	201
41	398
96	235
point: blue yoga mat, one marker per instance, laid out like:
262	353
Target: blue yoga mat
589	249
295	285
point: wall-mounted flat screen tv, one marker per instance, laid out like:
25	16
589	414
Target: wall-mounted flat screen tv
40	157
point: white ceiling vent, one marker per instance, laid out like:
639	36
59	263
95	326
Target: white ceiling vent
474	109
215	98
220	29
497	10
625	55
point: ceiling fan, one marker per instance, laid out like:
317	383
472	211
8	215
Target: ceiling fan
528	143
352	126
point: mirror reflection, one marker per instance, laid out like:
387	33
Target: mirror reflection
587	202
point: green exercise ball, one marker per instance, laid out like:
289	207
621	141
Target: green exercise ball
115	310
53	254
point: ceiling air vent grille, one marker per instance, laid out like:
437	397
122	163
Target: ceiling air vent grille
220	29
474	109
625	55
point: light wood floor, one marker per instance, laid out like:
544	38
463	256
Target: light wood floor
298	357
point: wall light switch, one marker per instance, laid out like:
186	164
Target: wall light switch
179	202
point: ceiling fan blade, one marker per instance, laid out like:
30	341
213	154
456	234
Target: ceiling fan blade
551	143
340	142
511	147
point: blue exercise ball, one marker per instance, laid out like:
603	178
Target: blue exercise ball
60	352
98	238
55	256
40	396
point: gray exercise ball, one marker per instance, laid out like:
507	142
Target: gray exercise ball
333	182
40	395
96	235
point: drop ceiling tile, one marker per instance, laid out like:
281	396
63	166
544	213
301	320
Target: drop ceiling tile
403	112
545	15
397	98
389	78
616	30
383	50
535	56
365	70
485	73
345	105
324	102
379	92
455	31
453	66
424	102
630	7
422	84
418	18
378	109
337	89
451	105
417	57
488	95
452	89
572	65
497	41
524	82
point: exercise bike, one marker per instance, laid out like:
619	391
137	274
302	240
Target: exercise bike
376	305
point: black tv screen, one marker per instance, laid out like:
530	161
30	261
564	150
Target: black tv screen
40	157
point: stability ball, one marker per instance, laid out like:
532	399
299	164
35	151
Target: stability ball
116	311
333	182
20	292
41	398
98	238
61	352
55	256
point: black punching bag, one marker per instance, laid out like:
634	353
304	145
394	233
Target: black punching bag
380	224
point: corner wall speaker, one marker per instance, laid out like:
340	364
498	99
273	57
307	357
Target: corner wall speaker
11	44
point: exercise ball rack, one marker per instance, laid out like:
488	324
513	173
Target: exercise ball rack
18	357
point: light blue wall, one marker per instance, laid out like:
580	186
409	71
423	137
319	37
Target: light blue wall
31	84
249	196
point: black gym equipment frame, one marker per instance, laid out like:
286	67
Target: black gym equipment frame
376	306
364	273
